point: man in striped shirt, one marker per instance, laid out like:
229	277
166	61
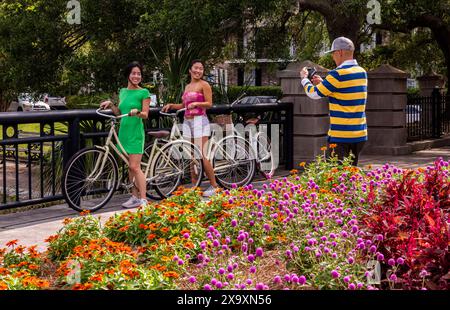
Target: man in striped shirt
346	89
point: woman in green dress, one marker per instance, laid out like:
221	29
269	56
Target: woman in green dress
135	101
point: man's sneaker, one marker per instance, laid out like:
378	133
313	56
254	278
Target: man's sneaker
132	201
209	192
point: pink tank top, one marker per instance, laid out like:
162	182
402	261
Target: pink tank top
193	96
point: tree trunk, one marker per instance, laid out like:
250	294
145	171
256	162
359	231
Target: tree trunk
339	22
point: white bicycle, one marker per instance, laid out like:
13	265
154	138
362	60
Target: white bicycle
91	176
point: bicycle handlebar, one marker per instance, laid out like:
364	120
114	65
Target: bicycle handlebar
98	111
172	114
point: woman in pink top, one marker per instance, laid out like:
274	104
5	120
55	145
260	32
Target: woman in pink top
197	98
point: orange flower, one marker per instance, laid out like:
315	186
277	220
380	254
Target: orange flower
294	171
185	231
96	278
333	146
302	164
12	243
20	249
124	229
85	212
171	274
189	245
143	226
67	221
164	230
3	286
323	148
82	287
33	267
151	236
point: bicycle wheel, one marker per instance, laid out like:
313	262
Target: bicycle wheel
264	155
86	183
233	161
178	163
151	190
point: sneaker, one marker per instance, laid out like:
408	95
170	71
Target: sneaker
143	202
136	203
132	201
209	192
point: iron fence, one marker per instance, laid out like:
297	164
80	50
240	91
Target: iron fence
428	117
31	163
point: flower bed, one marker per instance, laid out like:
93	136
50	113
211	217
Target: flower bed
333	226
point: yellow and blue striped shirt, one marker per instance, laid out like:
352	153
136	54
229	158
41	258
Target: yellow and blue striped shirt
346	89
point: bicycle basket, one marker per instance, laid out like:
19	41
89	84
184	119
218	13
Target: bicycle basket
223	119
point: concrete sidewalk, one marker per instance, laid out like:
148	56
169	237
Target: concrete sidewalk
32	227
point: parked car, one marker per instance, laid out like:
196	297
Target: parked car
26	102
257	100
413	114
55	103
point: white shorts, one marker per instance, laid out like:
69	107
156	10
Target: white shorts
196	127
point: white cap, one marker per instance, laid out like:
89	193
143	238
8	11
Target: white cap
342	43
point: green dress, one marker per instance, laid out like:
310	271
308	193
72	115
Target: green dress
131	131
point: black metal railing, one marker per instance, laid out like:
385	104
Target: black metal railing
32	160
428	117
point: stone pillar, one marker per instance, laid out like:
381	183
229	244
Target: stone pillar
385	111
311	117
428	82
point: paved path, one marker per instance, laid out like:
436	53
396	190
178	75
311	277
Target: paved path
34	226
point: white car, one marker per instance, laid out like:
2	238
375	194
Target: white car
55	103
413	113
25	102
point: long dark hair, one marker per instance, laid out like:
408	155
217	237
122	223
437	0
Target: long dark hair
129	68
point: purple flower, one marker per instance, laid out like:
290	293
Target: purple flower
393	277
252	269
400	261
180	262
346	279
259	252
186	236
221	271
266	227
250	258
192	279
287	278
277	279
249	281
380	237
230	276
230	268
335	274
233	223
216	243
351	286
302	280
260	286
207	287
373	249
294	278
219	285
351	260
391	262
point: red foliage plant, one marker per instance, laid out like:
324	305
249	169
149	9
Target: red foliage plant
413	218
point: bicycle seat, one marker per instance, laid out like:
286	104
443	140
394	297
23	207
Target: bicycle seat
159	134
